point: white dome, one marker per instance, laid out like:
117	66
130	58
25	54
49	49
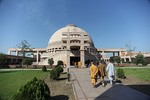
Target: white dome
57	36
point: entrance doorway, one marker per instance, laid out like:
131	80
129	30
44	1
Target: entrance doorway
73	60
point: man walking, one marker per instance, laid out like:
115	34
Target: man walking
111	71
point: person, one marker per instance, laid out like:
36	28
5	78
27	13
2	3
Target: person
111	71
93	74
75	64
102	73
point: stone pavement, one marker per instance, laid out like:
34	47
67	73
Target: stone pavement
84	90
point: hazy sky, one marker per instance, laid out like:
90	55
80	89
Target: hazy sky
110	23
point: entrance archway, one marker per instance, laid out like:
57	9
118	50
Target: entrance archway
75	50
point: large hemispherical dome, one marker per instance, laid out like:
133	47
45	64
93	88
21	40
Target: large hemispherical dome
58	35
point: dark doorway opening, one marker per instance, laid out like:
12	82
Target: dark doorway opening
74	59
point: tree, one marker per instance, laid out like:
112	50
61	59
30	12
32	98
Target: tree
24	46
50	62
27	61
2	58
139	59
130	48
117	59
60	63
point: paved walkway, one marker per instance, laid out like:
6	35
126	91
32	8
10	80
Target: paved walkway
84	90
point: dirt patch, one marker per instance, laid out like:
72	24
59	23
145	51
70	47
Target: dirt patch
137	84
60	89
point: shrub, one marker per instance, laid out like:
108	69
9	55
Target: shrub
60	63
50	62
55	73
144	63
44	69
33	90
59	69
120	73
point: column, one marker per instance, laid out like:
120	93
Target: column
113	54
68	58
37	57
68	49
16	53
103	54
82	55
119	54
124	59
129	59
82	58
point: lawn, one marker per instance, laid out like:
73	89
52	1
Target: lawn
142	73
11	81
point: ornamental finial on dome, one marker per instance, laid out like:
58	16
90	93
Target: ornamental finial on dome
73	25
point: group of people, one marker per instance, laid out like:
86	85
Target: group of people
100	70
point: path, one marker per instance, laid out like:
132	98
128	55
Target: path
85	91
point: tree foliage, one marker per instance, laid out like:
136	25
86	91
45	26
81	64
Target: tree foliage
117	59
60	63
44	69
24	46
50	62
2	58
27	61
55	73
139	59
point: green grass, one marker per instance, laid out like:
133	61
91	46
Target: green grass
11	81
142	73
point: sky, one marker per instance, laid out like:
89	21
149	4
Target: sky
110	23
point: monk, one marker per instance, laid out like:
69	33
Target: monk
102	73
93	74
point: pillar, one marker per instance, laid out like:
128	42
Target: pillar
68	49
124	59
113	54
68	58
37	57
103	54
82	59
16	53
82	55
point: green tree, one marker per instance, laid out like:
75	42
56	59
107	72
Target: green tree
139	59
50	62
130	49
27	61
117	59
2	58
24	46
60	63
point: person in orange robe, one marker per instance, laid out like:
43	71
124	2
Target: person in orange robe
102	73
93	74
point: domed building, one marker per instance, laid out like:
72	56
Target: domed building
69	44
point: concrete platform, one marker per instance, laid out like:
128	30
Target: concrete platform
84	90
